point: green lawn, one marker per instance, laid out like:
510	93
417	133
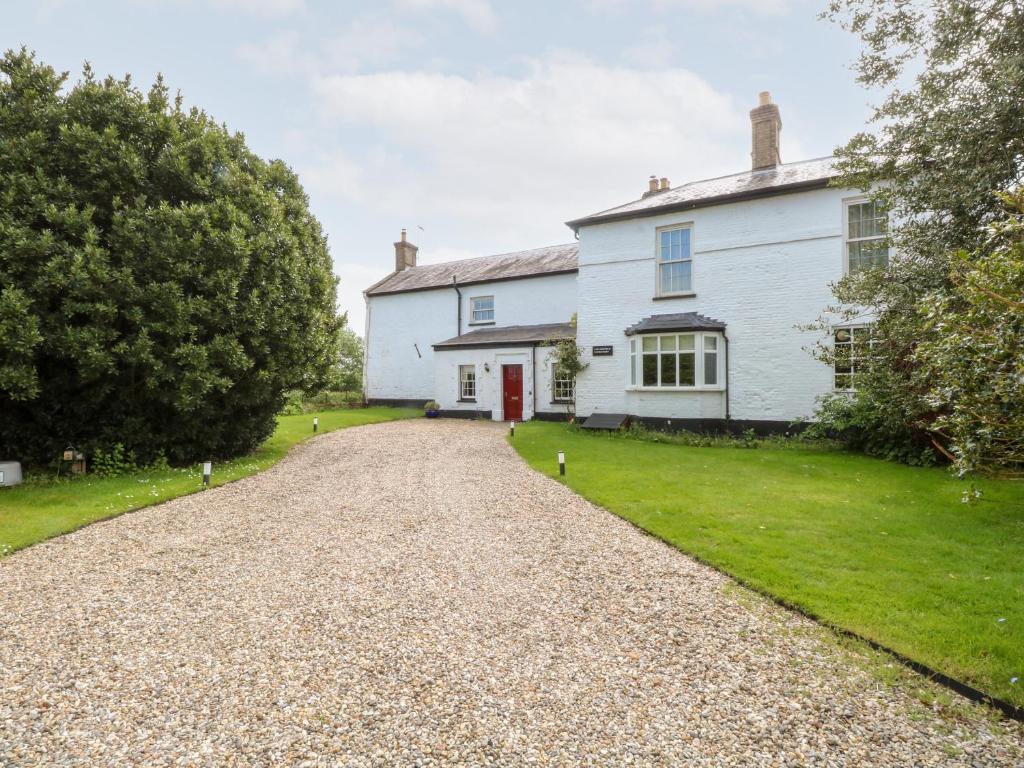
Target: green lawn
32	512
888	551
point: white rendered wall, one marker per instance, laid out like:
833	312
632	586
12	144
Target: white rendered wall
397	324
762	267
488	382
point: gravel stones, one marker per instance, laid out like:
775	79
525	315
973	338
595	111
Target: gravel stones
413	594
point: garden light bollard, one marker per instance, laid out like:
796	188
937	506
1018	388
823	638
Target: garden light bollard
207	471
316	423
512	428
561	462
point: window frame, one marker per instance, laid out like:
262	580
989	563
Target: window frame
634	374
470	367
555	399
473	310
658	292
848	202
852	373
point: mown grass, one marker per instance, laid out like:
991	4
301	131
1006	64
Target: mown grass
887	551
42	509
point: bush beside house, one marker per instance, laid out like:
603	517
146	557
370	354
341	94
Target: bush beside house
161	286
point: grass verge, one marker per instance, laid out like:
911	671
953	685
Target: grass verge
884	550
40	510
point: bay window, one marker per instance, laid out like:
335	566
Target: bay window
674	361
710	360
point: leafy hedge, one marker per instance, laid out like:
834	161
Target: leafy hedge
161	287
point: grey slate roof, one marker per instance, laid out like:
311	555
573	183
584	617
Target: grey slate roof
787	177
678	321
552	260
510	336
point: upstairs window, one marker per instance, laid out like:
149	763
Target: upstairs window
866	244
562	387
852	347
467	382
675	261
482	309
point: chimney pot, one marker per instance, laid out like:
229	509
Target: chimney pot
652	187
405	254
664	183
765	127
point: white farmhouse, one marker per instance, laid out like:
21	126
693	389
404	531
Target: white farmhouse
689	304
474	334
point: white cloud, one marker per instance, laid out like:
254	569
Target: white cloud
355	278
505	160
336	175
262	7
369	41
479	14
365	42
269	8
704	7
281	53
654	51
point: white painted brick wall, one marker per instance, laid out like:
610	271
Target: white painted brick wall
761	266
488	383
395	323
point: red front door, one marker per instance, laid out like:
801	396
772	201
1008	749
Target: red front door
512	392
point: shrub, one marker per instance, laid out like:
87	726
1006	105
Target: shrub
294	403
861	424
161	287
115	461
333	399
973	354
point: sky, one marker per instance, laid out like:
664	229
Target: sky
481	126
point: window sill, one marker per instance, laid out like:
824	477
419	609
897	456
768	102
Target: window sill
561	402
706	388
482	322
462	400
667	296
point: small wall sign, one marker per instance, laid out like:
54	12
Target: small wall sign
602	350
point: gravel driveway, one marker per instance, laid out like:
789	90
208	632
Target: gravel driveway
413	594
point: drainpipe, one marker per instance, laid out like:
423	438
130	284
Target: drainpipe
533	384
726	380
458	312
366	347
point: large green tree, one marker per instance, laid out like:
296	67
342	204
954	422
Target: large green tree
947	135
973	349
161	286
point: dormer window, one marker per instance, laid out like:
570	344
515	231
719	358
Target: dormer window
482	310
675	261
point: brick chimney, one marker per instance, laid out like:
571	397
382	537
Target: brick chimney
653	186
405	254
765	127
